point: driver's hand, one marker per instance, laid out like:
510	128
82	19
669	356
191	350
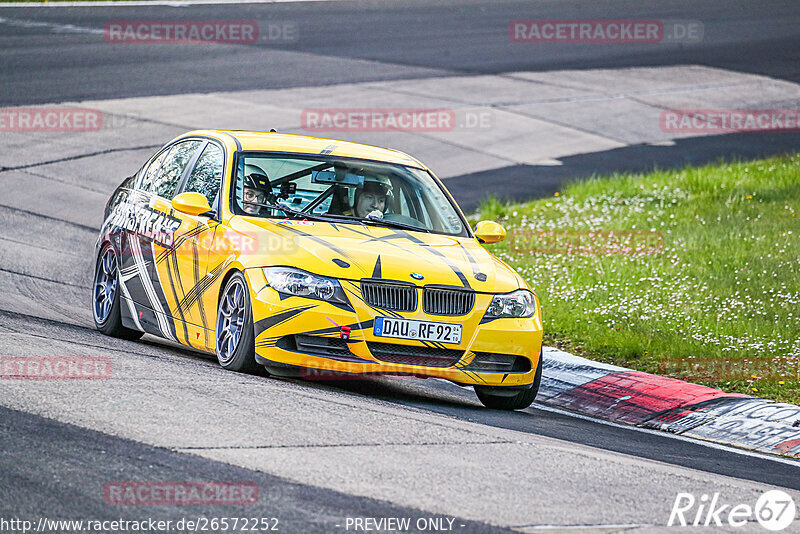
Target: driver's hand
377	214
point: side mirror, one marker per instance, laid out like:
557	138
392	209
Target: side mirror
191	203
489	232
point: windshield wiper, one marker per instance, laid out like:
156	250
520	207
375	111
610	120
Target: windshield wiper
396	224
385	222
289	212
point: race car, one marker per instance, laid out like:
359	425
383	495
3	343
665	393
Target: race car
314	258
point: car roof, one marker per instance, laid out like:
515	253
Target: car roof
305	144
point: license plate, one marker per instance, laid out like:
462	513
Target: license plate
420	330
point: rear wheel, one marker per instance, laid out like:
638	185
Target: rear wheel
235	340
497	399
106	299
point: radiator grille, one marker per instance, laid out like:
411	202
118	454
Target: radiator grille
322	346
499	363
447	301
411	355
390	296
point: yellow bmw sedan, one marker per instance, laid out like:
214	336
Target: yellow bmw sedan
314	258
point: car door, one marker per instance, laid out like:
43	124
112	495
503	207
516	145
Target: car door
144	276
193	249
135	281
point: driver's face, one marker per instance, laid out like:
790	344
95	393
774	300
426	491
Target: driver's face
368	202
253	195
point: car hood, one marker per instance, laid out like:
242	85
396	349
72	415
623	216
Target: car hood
355	251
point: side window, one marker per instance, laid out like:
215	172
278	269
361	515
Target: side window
207	173
404	210
152	172
172	168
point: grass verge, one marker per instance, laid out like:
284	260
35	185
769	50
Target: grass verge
693	274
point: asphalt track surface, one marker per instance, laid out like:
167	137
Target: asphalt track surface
56	55
397	40
322	452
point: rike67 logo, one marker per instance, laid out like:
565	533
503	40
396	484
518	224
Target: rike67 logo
774	510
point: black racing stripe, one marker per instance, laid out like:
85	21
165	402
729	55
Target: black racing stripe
196	256
474	264
201	287
366	325
380	310
147	318
317	240
128	271
177	303
402	234
376	271
391	313
268	341
137	291
152	271
177	242
472	374
174	259
342	306
268	322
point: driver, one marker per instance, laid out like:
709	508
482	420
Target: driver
370	199
256	189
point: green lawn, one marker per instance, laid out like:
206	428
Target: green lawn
721	290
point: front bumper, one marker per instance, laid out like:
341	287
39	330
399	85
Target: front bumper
304	338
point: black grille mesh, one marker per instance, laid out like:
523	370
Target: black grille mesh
323	346
447	301
499	363
390	297
414	355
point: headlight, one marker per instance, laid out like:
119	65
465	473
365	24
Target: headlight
304	284
520	303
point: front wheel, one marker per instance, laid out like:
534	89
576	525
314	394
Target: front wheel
106	299
497	399
235	340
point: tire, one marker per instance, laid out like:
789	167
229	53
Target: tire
507	401
234	335
105	297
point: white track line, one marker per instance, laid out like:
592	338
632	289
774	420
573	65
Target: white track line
57	28
662	433
580	528
176	3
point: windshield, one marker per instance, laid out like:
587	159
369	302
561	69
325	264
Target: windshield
340	190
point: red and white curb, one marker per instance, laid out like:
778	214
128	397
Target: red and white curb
657	402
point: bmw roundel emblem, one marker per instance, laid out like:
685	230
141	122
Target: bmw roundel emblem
417	276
